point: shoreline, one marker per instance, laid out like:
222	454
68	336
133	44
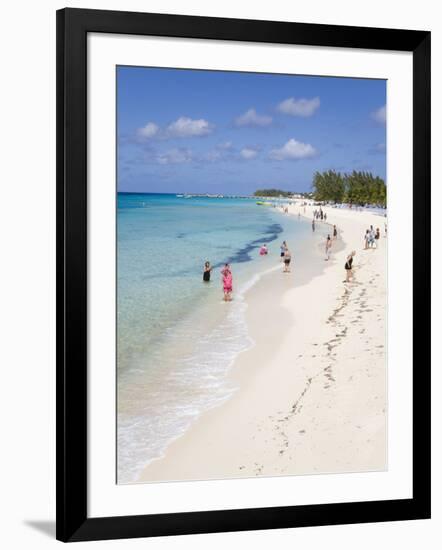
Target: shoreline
193	374
309	401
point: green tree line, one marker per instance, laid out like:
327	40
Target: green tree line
272	193
356	188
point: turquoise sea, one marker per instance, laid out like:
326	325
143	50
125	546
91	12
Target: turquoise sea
176	337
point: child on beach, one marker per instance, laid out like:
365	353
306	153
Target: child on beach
227	283
206	272
283	248
287	260
263	250
349	267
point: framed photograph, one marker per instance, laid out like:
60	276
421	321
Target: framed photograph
243	274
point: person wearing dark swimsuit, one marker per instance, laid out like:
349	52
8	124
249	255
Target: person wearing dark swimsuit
287	260
349	267
207	271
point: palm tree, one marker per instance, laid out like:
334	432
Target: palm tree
358	188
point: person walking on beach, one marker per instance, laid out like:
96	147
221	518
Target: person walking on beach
313	225
335	233
227	283
206	272
366	239
325	216
287	260
349	267
328	244
371	242
377	236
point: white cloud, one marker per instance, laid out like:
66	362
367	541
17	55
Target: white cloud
222	151
188	127
380	115
174	156
212	156
251	118
225	146
299	107
180	128
293	150
248	153
149	131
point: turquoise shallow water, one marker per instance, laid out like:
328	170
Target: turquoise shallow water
176	337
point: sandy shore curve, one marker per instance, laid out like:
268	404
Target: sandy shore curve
312	391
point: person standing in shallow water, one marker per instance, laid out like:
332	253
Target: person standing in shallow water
227	280
207	271
283	248
335	233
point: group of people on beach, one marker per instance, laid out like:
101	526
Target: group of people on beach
319	215
227	279
371	238
226	271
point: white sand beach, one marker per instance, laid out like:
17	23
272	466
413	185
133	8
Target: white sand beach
311	392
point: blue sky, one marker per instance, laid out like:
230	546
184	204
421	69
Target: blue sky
228	132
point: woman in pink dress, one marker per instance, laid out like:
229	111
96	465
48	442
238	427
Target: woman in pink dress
227	283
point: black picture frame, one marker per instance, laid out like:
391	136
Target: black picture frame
73	25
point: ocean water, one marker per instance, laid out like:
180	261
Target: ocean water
176	337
